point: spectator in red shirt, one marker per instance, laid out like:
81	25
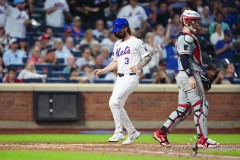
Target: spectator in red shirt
35	58
11	77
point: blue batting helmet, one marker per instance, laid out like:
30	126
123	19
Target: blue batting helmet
119	24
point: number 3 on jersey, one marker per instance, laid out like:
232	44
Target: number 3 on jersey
126	60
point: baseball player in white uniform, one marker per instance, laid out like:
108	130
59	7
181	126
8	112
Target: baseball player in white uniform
191	90
129	56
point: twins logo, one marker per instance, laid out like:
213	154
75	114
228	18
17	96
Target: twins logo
120	52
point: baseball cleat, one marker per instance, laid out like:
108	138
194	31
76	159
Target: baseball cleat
116	137
162	138
131	137
206	143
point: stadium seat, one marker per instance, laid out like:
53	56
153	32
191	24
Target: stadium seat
59	74
60	60
25	60
61	67
101	80
77	54
18	67
102	75
33	80
46	68
146	81
57	80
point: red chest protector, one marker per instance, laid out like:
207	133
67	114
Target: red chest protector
196	55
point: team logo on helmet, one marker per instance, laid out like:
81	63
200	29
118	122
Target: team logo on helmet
119	24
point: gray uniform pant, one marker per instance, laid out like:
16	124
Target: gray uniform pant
189	100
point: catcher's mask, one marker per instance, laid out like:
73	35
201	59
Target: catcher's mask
119	24
191	19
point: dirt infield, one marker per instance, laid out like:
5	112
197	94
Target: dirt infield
117	148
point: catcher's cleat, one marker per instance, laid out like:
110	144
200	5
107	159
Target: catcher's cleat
161	137
131	137
206	143
116	137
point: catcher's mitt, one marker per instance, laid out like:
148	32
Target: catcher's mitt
206	83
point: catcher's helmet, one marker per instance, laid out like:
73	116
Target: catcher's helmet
191	19
119	24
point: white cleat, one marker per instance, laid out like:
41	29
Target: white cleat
131	137
116	137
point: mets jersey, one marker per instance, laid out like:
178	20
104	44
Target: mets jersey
188	44
129	53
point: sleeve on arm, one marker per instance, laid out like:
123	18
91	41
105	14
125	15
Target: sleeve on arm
182	47
143	51
185	64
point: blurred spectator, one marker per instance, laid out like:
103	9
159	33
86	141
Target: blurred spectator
135	15
69	45
109	41
88	38
151	11
106	56
56	13
223	48
85	59
197	5
216	6
29	72
80	11
94	11
88	70
74	75
217	35
2	67
229	18
50	37
2	13
23	45
51	58
77	31
11	77
70	64
95	47
219	19
231	75
162	76
176	26
4	39
60	52
155	51
111	75
100	32
44	39
17	19
159	37
215	76
163	14
171	54
35	57
99	62
206	17
13	55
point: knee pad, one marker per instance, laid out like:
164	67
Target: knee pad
201	108
184	110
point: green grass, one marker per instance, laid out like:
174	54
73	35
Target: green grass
46	155
101	138
228	139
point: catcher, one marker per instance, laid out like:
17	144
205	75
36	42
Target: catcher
192	85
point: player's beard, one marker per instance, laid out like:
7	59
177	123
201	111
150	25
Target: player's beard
120	35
